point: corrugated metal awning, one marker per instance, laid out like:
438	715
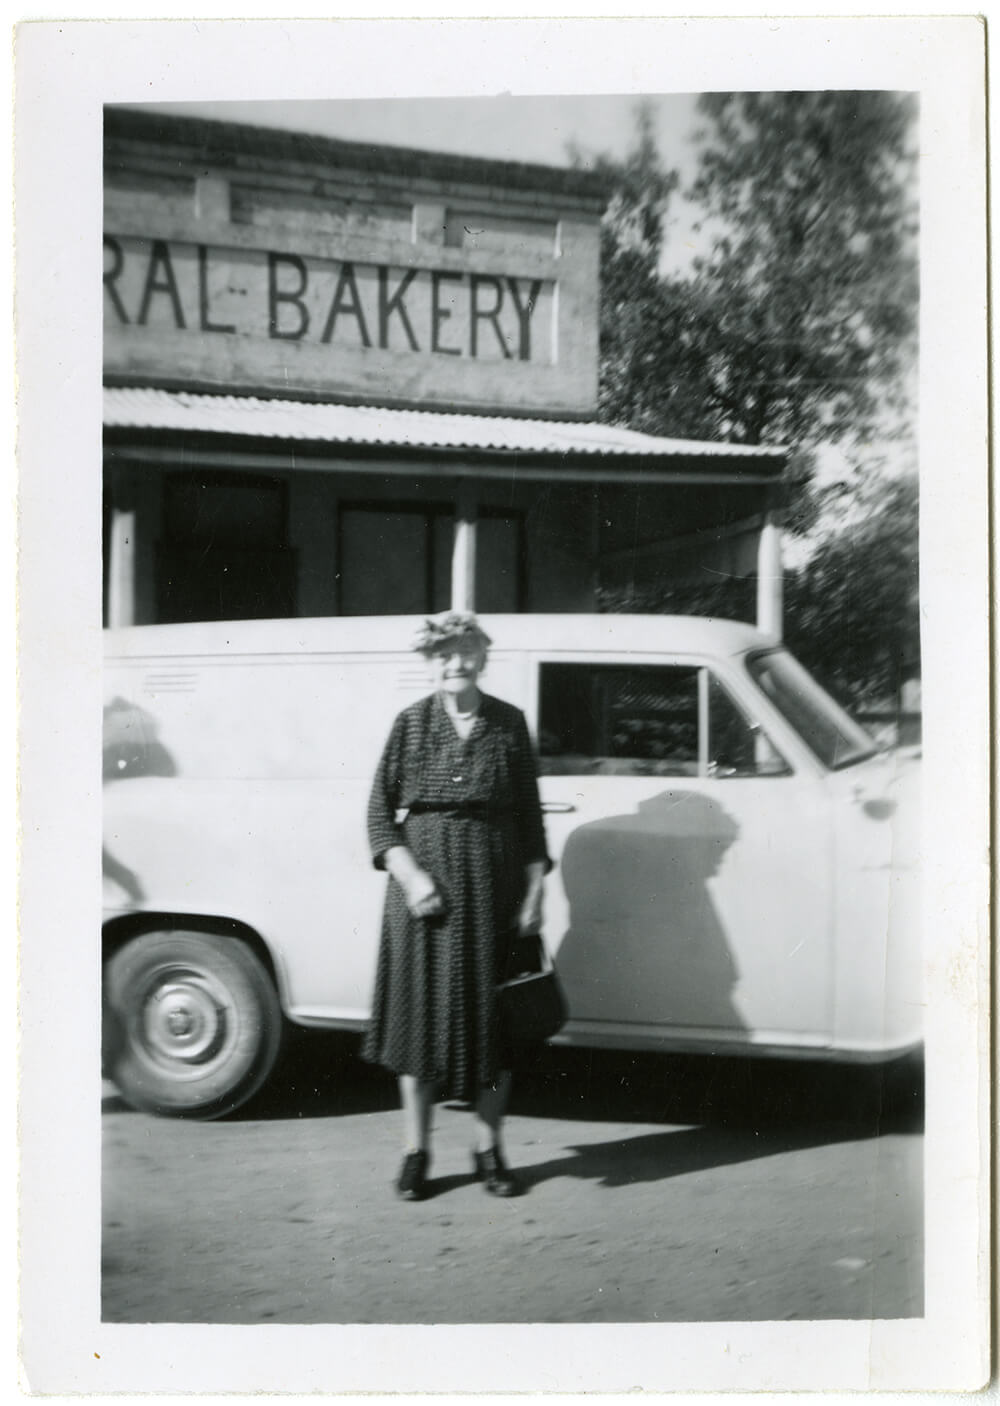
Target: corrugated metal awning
328	423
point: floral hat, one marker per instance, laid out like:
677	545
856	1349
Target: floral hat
451	627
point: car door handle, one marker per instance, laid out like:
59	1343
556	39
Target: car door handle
558	807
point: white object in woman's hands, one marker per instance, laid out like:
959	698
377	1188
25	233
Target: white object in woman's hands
422	896
419	889
529	920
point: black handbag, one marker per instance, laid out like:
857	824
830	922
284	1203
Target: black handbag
531	1000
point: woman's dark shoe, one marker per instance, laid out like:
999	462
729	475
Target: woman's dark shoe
494	1173
412	1183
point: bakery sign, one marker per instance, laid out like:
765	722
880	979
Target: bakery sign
286	297
258	317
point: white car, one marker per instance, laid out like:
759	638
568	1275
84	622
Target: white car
736	861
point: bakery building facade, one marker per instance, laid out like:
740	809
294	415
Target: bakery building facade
342	379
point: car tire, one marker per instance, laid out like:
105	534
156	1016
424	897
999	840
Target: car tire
194	1020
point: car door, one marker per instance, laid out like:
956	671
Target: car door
692	894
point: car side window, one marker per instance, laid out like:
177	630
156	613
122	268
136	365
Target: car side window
735	745
645	720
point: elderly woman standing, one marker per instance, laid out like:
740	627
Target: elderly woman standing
455	818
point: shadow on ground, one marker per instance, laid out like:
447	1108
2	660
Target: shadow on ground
321	1075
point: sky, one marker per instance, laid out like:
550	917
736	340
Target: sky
534	129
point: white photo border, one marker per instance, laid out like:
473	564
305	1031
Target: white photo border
66	73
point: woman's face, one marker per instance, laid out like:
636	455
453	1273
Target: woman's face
456	668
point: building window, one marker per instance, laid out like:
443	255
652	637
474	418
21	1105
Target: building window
396	559
224	552
646	720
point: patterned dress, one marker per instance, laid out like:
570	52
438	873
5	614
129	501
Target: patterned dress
469	811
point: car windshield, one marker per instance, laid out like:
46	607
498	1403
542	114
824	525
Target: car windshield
829	732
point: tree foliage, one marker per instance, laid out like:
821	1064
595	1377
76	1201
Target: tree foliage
632	233
798	323
812	288
852	610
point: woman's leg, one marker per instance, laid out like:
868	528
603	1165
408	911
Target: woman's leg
491	1106
490	1167
417	1097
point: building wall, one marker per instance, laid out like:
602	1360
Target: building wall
313	530
251	263
562	532
240	259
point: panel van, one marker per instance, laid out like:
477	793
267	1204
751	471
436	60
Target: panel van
736	861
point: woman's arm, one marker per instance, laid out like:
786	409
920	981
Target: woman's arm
527	803
383	831
529	918
529	813
385	834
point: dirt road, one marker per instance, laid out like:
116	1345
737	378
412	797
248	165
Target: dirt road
658	1189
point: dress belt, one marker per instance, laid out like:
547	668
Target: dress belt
475	809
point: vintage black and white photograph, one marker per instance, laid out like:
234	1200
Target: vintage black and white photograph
512	645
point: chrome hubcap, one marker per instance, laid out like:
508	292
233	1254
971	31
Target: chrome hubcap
185	1018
